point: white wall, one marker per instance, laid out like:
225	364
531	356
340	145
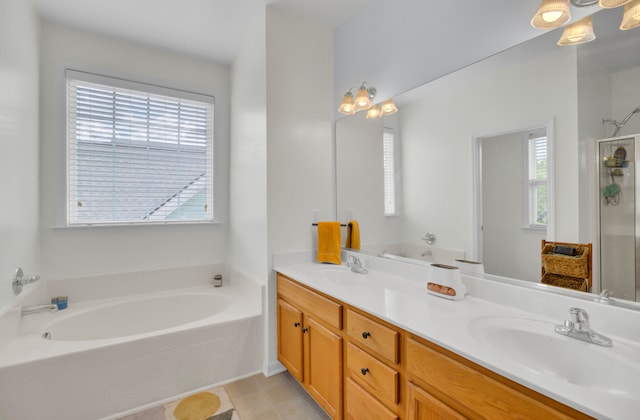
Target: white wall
248	160
625	93
72	252
18	143
299	129
594	104
487	97
299	138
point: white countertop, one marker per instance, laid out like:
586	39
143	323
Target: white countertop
404	302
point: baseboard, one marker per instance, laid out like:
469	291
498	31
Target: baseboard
273	368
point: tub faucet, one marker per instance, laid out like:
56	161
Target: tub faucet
34	309
356	265
578	327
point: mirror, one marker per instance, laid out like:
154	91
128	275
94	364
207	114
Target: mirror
567	90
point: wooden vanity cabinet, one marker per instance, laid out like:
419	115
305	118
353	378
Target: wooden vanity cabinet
373	370
310	342
442	384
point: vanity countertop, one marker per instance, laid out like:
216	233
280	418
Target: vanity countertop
405	303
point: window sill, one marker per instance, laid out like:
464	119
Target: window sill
120	225
539	229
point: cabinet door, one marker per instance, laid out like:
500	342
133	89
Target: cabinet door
424	406
324	367
290	350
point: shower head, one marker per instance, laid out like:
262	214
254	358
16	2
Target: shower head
623	122
620	124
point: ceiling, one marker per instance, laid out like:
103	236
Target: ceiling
212	29
215	29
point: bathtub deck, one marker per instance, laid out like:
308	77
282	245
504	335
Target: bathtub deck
80	380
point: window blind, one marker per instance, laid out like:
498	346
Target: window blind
137	153
389	170
537	162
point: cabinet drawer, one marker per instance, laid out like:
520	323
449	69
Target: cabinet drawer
373	335
361	405
366	369
472	392
312	303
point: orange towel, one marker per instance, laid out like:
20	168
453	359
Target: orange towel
329	242
353	235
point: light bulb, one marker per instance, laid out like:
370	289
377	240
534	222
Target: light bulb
551	17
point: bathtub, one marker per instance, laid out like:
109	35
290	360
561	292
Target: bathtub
426	253
110	354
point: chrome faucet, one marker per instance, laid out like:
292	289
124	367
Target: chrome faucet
356	265
34	309
19	280
578	327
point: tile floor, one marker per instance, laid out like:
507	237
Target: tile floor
279	397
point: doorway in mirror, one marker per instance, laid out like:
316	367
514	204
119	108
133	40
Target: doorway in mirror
513	200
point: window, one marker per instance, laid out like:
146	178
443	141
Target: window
388	161
137	153
537	180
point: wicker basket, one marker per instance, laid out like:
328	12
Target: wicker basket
566	265
565	281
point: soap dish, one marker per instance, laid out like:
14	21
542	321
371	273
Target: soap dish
445	281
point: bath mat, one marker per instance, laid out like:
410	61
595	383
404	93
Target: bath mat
211	404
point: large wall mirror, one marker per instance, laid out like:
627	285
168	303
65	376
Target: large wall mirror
461	145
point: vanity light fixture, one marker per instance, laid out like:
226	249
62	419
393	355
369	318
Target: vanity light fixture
555	13
364	96
362	101
578	33
631	17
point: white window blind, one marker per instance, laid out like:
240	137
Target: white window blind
537	168
137	153
388	160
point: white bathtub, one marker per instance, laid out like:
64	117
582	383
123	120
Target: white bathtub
107	357
137	316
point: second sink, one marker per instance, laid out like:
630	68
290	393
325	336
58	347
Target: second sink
536	346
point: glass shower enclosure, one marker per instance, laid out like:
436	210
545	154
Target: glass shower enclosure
619	216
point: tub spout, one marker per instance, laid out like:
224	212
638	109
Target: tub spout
33	309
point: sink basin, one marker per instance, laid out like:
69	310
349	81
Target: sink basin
338	275
536	346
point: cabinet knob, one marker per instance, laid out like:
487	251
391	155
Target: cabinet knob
364	371
366	334
296	324
304	330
